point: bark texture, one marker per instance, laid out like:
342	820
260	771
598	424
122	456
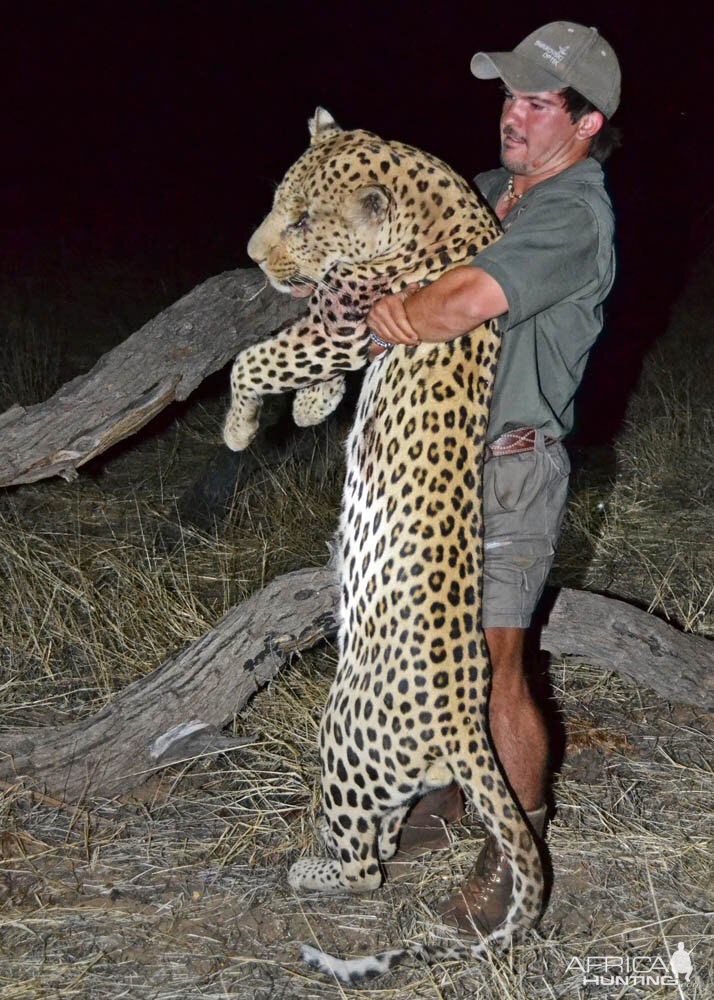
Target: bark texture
161	363
617	636
177	710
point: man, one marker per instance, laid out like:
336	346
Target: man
546	280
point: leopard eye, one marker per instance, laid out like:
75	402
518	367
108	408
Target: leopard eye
300	223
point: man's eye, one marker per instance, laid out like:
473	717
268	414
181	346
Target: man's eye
301	222
537	107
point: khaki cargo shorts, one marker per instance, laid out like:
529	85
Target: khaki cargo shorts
524	504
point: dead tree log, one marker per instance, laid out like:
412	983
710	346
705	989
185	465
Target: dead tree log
617	636
191	694
175	711
161	363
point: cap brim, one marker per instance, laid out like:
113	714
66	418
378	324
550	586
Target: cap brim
515	71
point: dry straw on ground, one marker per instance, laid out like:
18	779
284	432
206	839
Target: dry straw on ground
179	891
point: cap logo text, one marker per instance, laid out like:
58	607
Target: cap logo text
551	55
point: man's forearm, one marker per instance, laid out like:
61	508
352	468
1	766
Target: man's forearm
455	303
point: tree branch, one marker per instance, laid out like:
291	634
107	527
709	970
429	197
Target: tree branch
161	363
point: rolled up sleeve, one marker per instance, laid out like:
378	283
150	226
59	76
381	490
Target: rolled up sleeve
545	257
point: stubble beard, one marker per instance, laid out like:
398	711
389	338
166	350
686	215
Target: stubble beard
514	166
510	157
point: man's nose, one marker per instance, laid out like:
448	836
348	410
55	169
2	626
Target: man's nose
512	112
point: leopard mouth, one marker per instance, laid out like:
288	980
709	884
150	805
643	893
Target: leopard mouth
300	288
297	286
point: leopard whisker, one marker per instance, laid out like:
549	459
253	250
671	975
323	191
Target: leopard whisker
328	286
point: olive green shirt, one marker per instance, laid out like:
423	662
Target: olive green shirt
555	264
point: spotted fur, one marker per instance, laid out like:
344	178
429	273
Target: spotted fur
355	217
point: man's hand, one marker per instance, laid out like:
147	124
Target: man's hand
388	318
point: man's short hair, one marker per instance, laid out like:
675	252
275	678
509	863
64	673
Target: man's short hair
606	139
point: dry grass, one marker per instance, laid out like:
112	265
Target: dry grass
179	891
650	531
29	364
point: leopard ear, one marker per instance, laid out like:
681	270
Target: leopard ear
322	125
369	205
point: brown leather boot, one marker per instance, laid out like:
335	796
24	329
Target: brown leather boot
481	904
424	828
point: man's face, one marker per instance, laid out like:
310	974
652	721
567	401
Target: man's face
537	134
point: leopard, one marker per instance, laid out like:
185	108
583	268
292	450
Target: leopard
357	217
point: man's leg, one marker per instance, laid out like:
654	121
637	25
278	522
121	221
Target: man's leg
518	731
424	829
520	739
524	500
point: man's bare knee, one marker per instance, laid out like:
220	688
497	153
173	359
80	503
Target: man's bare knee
505	647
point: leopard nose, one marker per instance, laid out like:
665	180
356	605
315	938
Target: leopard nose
255	251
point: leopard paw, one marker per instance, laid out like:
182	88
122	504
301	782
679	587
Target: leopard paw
315	403
321	874
239	429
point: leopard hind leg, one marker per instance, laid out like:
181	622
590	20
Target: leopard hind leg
389	830
357	866
436	776
504	821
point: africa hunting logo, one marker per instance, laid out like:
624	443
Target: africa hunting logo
634	970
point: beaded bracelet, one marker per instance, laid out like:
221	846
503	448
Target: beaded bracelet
378	340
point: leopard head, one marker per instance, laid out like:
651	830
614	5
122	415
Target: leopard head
353	199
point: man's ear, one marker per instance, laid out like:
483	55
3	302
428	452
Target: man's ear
369	205
590	124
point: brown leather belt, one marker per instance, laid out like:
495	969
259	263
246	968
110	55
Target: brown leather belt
510	443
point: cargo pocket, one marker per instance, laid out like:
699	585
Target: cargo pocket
515	571
515	481
533	557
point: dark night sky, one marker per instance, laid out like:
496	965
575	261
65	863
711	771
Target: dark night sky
166	124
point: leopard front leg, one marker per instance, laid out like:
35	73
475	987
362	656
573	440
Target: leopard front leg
301	356
241	424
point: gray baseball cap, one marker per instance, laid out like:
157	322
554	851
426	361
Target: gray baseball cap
560	54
